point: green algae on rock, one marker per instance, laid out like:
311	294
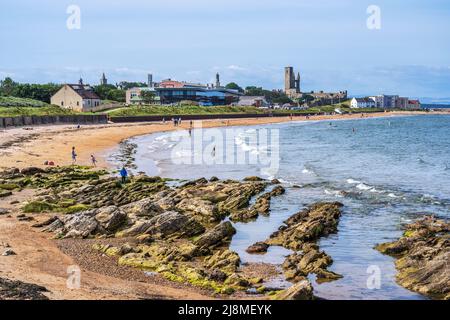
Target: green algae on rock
423	257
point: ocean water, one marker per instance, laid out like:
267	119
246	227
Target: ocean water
386	172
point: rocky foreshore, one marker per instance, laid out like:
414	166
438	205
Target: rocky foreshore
423	257
181	230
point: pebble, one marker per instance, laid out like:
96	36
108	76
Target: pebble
8	252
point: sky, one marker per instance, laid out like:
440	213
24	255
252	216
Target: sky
247	41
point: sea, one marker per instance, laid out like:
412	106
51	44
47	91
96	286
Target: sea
386	171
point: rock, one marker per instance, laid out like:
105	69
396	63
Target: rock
308	225
174	225
110	218
18	290
226	260
237	281
423	257
275	181
217	235
203	209
299	291
31	171
213	179
253	179
3	211
4	194
45	222
258	247
145	208
56	226
23	217
8	252
80	225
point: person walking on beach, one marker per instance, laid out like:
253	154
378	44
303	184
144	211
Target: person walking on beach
123	174
93	160
74	155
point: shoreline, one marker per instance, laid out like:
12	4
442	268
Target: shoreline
32	146
47	265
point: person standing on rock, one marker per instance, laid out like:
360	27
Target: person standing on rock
74	155
124	174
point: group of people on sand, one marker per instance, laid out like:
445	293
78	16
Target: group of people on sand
75	155
123	172
176	122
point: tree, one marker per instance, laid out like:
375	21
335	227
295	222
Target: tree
234	86
147	96
7	86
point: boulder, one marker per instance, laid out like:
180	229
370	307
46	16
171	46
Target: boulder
17	290
145	208
29	171
110	218
217	235
79	225
299	291
174	225
8	252
202	209
423	257
258	247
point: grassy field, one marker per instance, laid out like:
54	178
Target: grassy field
198	110
20	102
11	107
47	110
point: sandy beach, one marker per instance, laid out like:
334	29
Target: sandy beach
23	147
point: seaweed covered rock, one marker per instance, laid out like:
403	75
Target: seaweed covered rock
308	225
299	291
423	257
18	290
311	260
225	260
216	236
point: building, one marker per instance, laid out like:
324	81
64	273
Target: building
255	101
291	84
77	97
170	91
206	96
362	103
401	103
414	105
103	80
133	95
378	101
150	83
292	88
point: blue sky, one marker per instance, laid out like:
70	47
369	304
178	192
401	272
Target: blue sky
246	41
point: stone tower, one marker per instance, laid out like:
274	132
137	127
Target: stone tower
217	80
150	80
297	83
103	80
289	79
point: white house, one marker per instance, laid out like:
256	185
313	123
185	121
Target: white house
362	103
